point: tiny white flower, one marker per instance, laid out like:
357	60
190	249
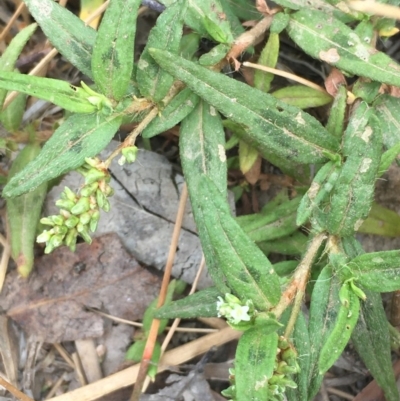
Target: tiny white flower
239	314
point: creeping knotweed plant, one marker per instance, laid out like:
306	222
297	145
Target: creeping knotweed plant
79	213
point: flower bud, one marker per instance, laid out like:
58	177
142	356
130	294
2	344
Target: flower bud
47	221
54	242
68	194
70	239
44	236
94	175
130	153
94	221
84	218
106	206
88	190
93	161
100	198
108	191
60	230
84	233
72	221
57	220
65	204
82	206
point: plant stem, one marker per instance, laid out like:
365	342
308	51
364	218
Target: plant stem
297	286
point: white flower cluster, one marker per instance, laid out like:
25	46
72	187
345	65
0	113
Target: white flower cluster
234	310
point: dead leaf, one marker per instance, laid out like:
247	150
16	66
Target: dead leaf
253	175
333	81
51	303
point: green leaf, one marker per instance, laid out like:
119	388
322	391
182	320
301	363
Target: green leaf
231	16
154	83
366	90
199	304
61	93
294	244
343	327
353	193
248	272
12	52
294	137
12	116
208	18
371	339
332	41
215	55
189	45
381	221
23	214
377	271
387	108
202	151
66	32
279	222
268	58
243	9
175	111
254	364
324	308
319	191
79	137
388	157
112	60
335	124
135	353
301	341
302	96
247	157
149	314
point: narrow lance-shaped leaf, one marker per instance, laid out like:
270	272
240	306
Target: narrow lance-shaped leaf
268	58
175	111
279	222
199	304
324	308
387	107
207	17
248	272
79	137
202	152
378	271
302	96
371	339
381	221
371	336
343	327
337	113
243	9
112	60
67	33
301	341
283	134
353	192
154	82
254	364
23	214
12	52
61	93
332	41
